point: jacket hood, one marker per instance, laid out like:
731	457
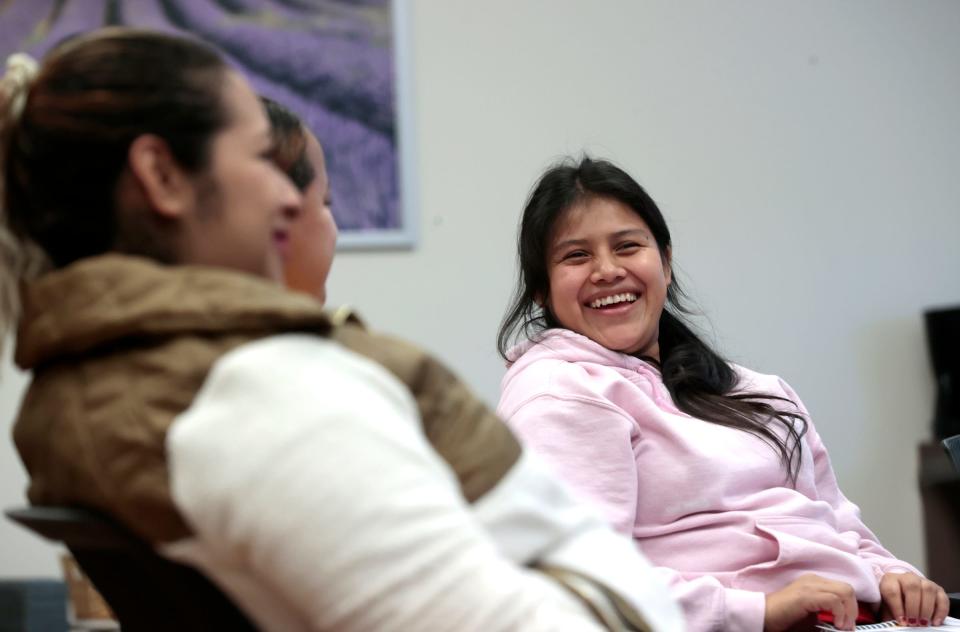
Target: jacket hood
547	363
569	346
104	299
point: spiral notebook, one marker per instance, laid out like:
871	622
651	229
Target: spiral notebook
948	624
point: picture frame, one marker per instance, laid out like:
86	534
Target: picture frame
343	66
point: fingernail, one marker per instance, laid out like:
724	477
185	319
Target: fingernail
924	622
912	621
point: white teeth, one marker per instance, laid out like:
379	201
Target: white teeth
628	297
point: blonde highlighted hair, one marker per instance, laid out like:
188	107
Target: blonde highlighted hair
20	259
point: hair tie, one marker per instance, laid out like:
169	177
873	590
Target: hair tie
15	84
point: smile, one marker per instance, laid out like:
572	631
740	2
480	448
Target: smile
281	238
614	299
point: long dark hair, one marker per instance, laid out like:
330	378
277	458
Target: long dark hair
701	382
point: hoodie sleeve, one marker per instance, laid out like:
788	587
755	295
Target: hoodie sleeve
709	606
848	514
589	444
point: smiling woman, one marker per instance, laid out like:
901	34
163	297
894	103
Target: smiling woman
715	470
313	236
608	278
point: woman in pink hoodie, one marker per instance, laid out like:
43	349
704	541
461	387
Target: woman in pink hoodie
715	470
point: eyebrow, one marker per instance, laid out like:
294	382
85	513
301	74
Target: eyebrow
620	234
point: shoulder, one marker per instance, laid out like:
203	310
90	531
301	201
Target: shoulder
291	378
422	373
286	355
749	380
563	368
286	403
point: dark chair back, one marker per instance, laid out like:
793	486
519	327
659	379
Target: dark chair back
952	446
146	591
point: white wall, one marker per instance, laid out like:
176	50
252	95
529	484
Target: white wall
21	553
805	154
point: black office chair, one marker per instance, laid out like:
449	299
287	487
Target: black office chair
952	446
146	591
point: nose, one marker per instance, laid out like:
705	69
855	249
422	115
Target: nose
606	269
291	201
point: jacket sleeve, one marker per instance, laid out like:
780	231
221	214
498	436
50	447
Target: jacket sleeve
848	514
306	464
589	444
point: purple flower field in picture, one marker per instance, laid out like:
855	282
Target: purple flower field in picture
330	61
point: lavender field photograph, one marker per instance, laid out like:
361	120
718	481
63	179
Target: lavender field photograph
335	63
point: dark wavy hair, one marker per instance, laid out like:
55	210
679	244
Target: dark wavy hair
290	143
701	382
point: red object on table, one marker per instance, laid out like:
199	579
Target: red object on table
865	615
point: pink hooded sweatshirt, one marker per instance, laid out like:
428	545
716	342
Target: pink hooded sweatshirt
710	505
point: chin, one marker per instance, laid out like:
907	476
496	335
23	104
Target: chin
633	348
621	344
274	272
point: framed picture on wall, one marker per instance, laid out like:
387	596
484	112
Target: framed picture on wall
342	65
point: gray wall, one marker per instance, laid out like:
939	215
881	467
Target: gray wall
805	154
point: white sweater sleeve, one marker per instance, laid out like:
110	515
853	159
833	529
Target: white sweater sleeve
303	465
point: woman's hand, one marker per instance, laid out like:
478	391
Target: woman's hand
810	594
913	600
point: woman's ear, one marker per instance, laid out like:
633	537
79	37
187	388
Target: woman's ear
166	186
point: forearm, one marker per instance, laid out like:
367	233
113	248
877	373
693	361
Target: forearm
848	514
708	606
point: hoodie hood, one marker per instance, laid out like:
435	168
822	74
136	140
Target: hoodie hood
569	346
551	351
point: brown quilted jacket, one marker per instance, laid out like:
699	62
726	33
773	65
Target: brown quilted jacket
119	346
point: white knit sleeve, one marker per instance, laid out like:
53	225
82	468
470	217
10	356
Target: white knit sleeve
304	467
